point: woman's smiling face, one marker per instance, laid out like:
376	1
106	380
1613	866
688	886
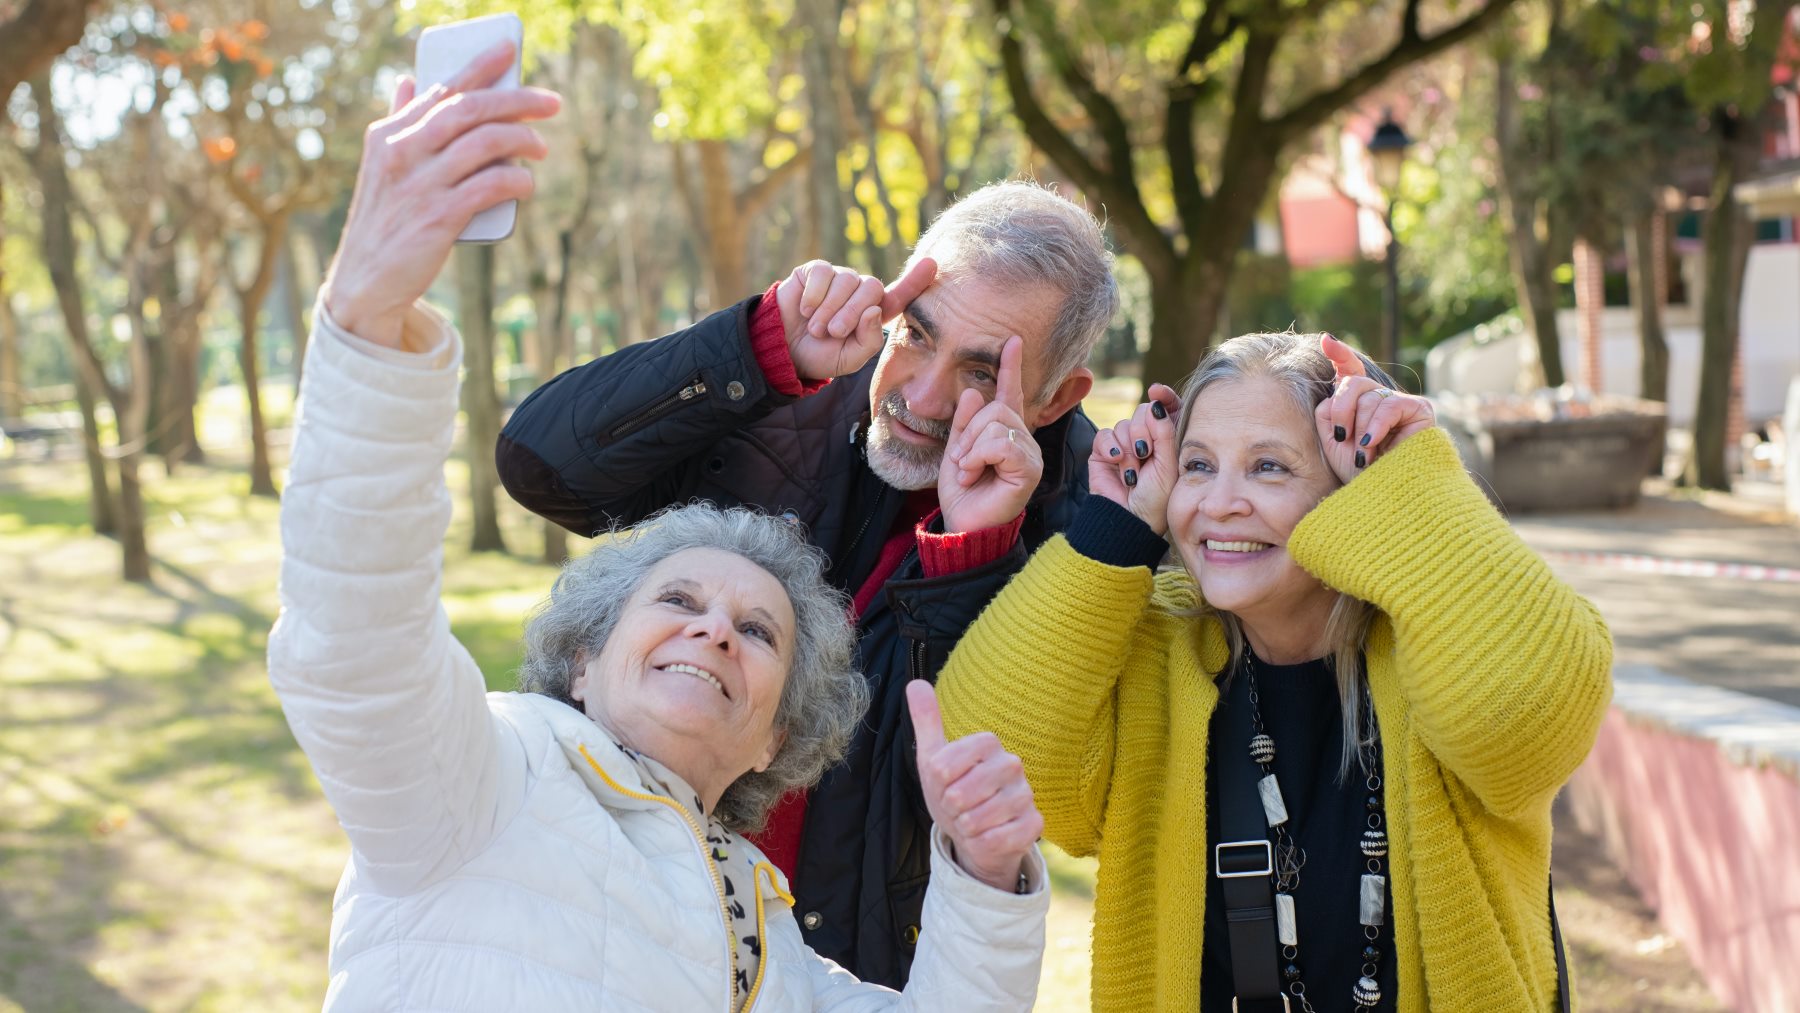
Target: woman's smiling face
1249	469
693	673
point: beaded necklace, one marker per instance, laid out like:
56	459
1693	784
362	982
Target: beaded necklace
1289	858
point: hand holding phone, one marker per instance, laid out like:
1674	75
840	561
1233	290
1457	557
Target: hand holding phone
443	52
444	154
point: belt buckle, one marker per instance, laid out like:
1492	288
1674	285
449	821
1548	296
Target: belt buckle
1268	866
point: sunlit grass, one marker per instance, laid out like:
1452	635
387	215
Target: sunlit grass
165	845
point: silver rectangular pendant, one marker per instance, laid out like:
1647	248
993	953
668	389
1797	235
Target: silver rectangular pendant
1374	899
1274	810
1285	926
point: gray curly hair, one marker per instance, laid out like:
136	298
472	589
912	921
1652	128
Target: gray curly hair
823	698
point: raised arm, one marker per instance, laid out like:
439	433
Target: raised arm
618	438
388	707
1506	669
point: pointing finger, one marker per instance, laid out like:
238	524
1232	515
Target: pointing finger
1342	356
1011	383
911	285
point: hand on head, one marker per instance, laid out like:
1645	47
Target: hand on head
438	159
992	462
833	315
977	794
1363	420
1135	463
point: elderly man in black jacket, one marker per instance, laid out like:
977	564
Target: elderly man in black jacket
775	403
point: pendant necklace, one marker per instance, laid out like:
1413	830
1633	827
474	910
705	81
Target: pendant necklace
1371	908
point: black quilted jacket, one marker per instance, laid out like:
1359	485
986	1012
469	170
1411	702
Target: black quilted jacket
691	415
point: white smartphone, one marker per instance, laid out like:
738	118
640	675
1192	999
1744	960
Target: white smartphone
442	53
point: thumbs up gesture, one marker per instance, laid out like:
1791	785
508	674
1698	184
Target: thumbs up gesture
977	794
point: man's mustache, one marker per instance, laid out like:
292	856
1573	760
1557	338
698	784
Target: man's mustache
895	405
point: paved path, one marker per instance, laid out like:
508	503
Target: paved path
1707	589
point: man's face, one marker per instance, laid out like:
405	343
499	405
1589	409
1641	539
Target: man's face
948	341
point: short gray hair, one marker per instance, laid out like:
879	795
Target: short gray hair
1296	364
824	696
1024	233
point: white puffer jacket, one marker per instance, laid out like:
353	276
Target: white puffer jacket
504	853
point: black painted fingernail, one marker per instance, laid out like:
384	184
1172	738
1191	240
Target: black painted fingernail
1143	449
1131	476
1114	451
1338	434
1365	440
1157	409
1361	461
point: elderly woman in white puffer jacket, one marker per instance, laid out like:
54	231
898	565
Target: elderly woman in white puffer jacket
577	846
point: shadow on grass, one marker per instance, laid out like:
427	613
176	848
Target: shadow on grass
59	980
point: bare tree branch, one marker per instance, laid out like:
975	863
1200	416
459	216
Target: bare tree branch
1100	109
1118	190
754	198
35	37
1410	47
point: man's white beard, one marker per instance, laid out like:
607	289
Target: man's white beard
898	463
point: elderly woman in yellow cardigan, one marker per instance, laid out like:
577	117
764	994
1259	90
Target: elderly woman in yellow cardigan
1355	640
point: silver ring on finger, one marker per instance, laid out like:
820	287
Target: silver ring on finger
1012	437
1382	392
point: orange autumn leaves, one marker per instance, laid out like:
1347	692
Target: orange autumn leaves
230	44
233	49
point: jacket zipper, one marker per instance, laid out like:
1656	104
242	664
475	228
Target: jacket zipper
711	867
762	931
657	409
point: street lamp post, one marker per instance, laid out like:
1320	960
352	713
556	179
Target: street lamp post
1387	150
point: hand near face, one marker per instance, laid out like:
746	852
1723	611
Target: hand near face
1364	420
1135	463
977	794
991	462
436	161
833	316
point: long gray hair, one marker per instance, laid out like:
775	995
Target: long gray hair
1295	363
823	698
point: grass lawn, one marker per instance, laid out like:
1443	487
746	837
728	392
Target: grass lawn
163	842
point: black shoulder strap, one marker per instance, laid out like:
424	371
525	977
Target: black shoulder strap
1243	861
1563	998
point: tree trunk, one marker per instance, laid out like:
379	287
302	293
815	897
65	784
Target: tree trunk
129	403
176	357
824	74
102	511
294	304
132	417
1528	254
273	242
727	249
12	382
1642	250
475	300
1722	237
1184	310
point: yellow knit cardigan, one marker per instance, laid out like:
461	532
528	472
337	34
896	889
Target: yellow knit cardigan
1489	676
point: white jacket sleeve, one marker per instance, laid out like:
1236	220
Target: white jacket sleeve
980	950
388	707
